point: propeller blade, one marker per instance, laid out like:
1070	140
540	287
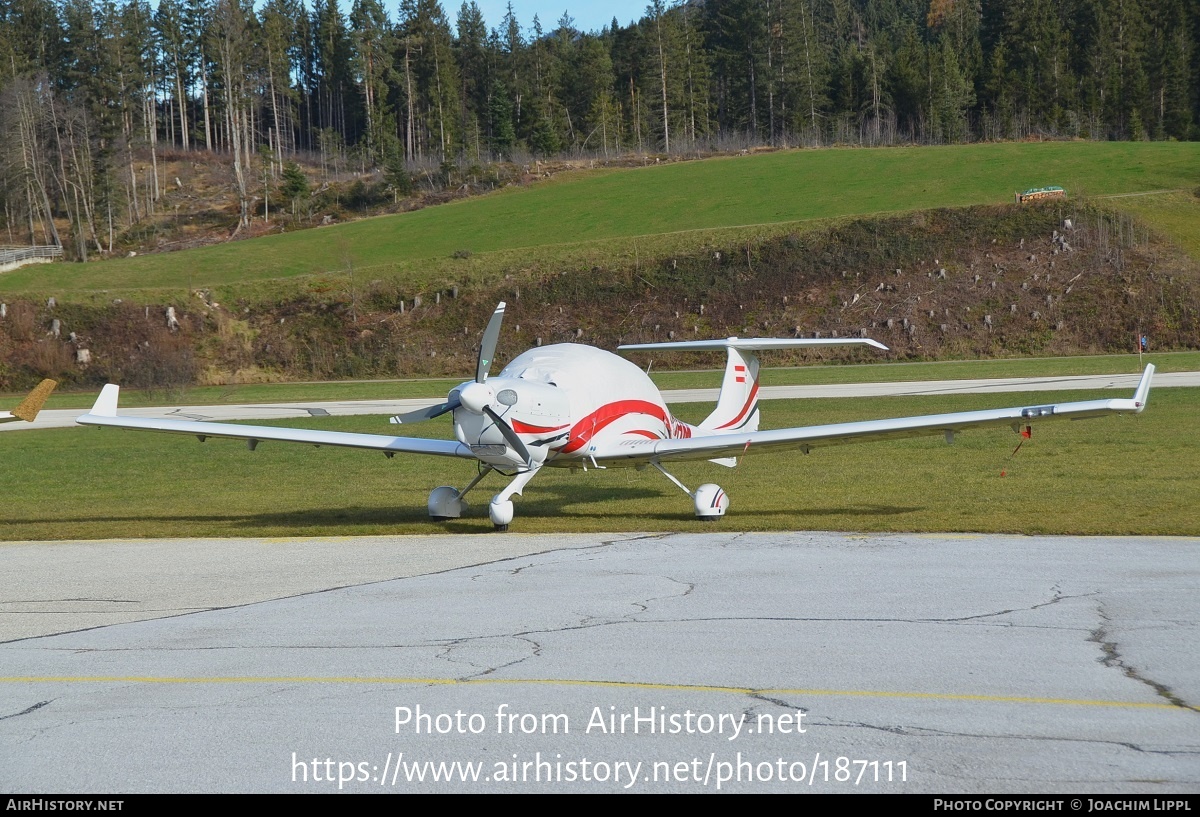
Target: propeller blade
510	436
487	349
425	413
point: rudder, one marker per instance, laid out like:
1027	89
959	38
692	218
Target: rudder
737	405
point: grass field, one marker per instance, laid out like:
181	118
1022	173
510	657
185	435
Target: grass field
608	213
1175	215
1118	475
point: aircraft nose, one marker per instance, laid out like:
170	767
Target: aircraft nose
475	397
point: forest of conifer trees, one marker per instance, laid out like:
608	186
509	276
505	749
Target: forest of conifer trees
93	93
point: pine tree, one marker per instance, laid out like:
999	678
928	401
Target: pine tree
430	78
168	27
737	38
372	60
474	77
502	134
294	184
1168	56
31	38
805	66
950	93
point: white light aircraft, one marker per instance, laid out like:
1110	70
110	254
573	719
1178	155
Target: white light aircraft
574	406
28	408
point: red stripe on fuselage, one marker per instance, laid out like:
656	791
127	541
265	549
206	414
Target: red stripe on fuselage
526	428
583	431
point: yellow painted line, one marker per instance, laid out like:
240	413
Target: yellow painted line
856	693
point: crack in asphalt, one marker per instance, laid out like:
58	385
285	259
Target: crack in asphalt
1055	599
448	653
761	696
585	623
733	539
63	601
922	732
1112	658
33	708
180	612
535	651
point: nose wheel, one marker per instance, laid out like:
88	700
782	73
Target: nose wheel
501	508
501	514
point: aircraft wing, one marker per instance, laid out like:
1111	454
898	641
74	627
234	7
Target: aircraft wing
805	438
104	413
29	407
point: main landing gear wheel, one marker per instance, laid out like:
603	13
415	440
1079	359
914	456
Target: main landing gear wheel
445	502
711	502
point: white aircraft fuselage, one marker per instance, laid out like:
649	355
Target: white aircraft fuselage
566	401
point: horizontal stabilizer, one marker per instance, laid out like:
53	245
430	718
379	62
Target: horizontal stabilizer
748	344
737	406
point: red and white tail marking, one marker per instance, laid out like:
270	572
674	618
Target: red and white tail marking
737	406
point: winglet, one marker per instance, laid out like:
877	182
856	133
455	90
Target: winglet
1143	390
32	404
106	403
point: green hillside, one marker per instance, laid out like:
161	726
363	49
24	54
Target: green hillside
603	210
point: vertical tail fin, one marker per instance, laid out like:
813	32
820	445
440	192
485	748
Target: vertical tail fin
737	406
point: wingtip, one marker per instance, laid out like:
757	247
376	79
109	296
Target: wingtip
106	403
1142	395
33	402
